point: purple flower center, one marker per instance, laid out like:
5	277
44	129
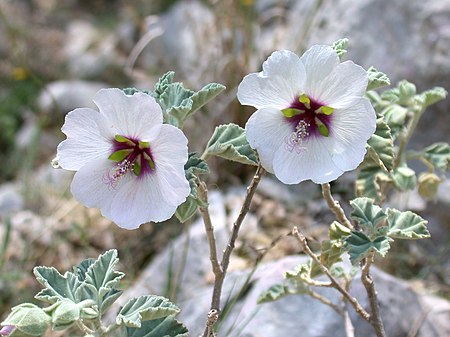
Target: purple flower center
131	155
307	117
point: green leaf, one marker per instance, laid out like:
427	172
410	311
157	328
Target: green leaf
163	82
377	79
330	254
229	142
101	277
404	178
407	91
274	293
360	246
383	144
29	320
132	91
187	209
82	268
406	225
368	182
369	216
195	165
57	286
145	308
339	47
299	272
338	231
203	96
438	154
432	96
395	117
166	326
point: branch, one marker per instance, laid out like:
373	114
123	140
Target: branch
334	206
353	301
366	278
222	269
326	301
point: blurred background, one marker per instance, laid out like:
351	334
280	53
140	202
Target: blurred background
55	55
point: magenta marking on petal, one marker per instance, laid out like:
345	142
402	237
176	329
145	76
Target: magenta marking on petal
7	330
309	116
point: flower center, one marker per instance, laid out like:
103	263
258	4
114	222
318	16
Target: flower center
130	155
308	118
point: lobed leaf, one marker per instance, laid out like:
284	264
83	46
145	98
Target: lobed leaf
359	246
368	215
432	96
377	79
404	178
438	154
57	286
406	225
145	308
229	142
166	326
339	47
383	144
203	96
274	293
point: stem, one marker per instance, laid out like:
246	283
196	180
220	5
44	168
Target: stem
366	278
353	301
221	270
326	301
334	206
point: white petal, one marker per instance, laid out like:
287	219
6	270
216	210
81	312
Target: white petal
319	62
266	131
88	138
281	80
350	130
170	153
137	116
140	200
346	84
90	187
314	163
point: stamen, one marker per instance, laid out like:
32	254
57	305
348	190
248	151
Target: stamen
111	178
295	139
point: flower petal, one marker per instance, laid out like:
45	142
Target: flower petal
88	138
137	116
314	163
351	128
90	188
170	153
319	62
140	200
277	85
266	131
346	84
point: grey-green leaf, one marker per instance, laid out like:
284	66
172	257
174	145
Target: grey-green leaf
187	209
404	178
274	293
377	79
229	142
382	142
144	308
359	246
57	286
163	327
367	214
339	47
203	96
432	96
438	154
406	225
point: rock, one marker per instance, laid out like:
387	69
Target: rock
89	51
67	95
11	198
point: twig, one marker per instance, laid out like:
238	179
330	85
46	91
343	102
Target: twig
349	328
203	195
366	278
219	273
353	301
334	206
326	301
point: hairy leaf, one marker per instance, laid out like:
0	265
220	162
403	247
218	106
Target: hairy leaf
369	216
274	293
406	225
145	308
57	286
395	117
377	79
432	96
203	96
187	209
368	182
339	47
166	326
229	142
404	178
28	319
438	154
359	245
383	144
338	231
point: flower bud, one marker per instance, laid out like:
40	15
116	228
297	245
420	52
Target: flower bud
428	185
6	330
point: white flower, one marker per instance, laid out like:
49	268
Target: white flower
129	164
312	121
